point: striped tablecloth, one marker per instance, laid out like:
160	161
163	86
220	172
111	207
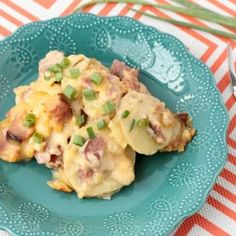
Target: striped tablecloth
218	215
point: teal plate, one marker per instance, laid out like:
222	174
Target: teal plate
169	186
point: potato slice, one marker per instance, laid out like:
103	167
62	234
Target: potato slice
163	128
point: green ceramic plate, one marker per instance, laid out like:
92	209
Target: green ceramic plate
168	187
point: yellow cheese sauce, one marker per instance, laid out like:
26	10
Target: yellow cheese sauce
86	122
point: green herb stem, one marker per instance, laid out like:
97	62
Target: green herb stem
190	25
201	13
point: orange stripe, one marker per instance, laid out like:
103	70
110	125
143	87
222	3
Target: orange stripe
231	142
223	7
125	10
230	102
224	209
232	159
4	31
232	124
20	10
70	8
46	4
106	9
229	176
224	192
219	61
233	1
88	9
201	221
10	18
224	82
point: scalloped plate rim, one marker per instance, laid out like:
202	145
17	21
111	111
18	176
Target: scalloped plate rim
220	168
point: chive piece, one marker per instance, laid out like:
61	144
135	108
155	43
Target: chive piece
78	140
89	94
70	92
37	138
101	124
47	75
65	63
29	120
108	107
80	120
96	78
125	114
58	77
55	68
142	122
132	123
74	73
91	133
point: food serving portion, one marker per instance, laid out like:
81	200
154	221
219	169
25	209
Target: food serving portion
86	122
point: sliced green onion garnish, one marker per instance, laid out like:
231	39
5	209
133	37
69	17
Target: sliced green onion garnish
101	124
74	73
132	124
80	120
89	94
109	107
29	120
96	78
65	63
58	77
37	138
55	68
125	114
47	75
91	133
70	92
78	140
142	122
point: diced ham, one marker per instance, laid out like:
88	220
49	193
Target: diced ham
61	111
128	76
9	151
85	174
51	156
183	117
18	132
157	132
93	151
52	58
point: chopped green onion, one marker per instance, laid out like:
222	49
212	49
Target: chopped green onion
89	94
101	124
142	122
37	138
96	78
70	92
65	63
132	123
80	120
47	75
109	107
55	68
29	120
74	73
125	114
58	77
78	140
91	133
